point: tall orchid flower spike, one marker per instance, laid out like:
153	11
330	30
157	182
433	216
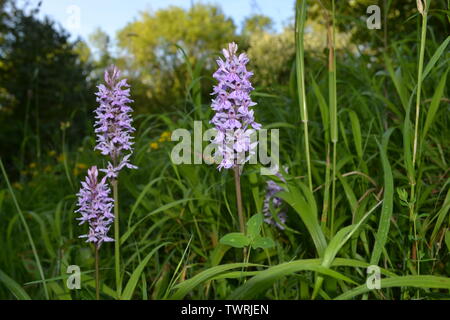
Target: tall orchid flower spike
95	206
234	118
113	125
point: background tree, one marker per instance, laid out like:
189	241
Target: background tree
45	80
151	50
101	43
257	23
395	20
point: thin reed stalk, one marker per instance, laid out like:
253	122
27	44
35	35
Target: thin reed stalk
333	109
300	69
423	9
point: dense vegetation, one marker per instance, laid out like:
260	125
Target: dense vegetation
368	185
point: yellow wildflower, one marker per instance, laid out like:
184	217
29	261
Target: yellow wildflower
33	165
154	145
61	157
81	166
17	185
166	135
52	153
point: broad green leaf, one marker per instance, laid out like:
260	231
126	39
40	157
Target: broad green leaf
235	240
254	225
263	243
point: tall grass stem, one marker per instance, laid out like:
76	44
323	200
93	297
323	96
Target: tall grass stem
333	108
300	68
416	126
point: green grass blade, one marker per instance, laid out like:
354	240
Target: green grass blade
435	57
187	286
15	288
127	293
405	281
27	230
308	214
356	129
386	210
434	105
266	278
300	67
442	213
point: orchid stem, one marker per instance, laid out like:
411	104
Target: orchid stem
237	180
117	238
97	275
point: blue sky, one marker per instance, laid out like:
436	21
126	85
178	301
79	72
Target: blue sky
112	15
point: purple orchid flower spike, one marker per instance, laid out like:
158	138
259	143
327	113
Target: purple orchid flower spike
234	120
95	206
271	198
113	124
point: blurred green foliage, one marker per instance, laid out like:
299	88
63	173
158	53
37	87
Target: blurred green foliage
46	102
43	82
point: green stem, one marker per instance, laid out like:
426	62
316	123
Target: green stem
117	237
416	156
97	275
326	194
237	180
333	108
300	67
333	191
419	81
